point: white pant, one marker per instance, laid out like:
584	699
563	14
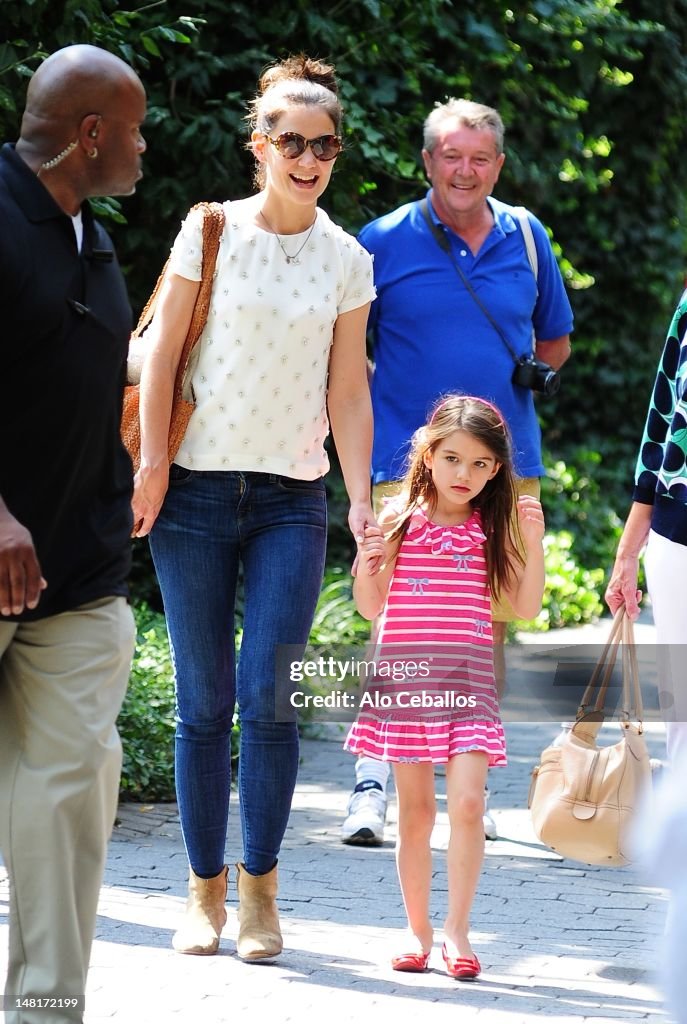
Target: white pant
665	563
62	682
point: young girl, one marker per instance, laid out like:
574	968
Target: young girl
444	546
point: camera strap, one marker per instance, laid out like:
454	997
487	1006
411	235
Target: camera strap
443	242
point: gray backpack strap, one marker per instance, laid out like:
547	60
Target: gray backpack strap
522	217
523	220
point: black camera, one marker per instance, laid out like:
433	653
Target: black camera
537	376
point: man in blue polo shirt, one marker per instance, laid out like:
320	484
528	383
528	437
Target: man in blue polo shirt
431	335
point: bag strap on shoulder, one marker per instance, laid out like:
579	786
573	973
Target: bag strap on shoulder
213	226
523	219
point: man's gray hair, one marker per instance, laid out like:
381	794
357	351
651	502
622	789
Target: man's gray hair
469	114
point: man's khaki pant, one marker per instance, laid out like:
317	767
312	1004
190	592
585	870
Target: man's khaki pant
62	683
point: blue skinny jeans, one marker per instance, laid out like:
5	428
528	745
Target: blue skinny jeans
274	527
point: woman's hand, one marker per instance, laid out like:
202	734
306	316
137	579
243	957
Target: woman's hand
150	488
622	586
360	515
360	519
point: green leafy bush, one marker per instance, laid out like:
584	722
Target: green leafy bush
582	535
572	593
578	496
336	618
146	721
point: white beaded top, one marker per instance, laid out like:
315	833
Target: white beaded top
261	377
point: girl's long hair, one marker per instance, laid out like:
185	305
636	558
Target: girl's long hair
496	502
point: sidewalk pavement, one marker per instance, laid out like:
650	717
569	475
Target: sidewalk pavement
556	938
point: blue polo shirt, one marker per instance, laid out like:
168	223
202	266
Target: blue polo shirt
430	337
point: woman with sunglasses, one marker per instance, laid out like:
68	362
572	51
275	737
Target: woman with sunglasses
282	357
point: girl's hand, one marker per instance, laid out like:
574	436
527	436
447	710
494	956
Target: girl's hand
150	488
370	551
530	520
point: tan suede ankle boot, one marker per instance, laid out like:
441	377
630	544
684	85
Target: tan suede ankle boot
259	932
206	915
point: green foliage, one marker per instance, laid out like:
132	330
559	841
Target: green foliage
143	585
336	619
592	92
571	596
582	535
575	500
620	218
146	721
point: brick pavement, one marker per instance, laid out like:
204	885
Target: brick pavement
556	939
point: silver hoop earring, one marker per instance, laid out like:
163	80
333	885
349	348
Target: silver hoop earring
93	153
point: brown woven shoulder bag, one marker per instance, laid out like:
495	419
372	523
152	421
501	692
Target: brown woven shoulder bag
183	400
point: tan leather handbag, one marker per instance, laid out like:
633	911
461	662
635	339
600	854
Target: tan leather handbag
583	796
183	401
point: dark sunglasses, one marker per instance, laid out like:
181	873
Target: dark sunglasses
291	145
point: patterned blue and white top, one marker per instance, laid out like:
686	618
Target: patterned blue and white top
661	473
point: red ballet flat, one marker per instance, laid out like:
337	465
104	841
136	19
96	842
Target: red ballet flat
465	968
411	963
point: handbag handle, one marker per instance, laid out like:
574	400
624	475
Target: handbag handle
632	691
604	669
621	633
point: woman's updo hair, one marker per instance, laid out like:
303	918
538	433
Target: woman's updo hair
297	81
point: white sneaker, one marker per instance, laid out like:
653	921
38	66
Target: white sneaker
487	820
364	824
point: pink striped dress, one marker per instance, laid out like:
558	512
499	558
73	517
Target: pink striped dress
434	652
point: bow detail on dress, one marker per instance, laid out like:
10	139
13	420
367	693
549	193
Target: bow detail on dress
447	540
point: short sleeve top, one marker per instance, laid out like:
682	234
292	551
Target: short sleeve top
260	380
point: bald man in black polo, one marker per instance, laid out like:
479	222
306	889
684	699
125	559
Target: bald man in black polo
66	630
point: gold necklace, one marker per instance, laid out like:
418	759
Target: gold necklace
290	259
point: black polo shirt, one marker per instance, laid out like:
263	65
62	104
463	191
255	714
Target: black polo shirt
65	323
